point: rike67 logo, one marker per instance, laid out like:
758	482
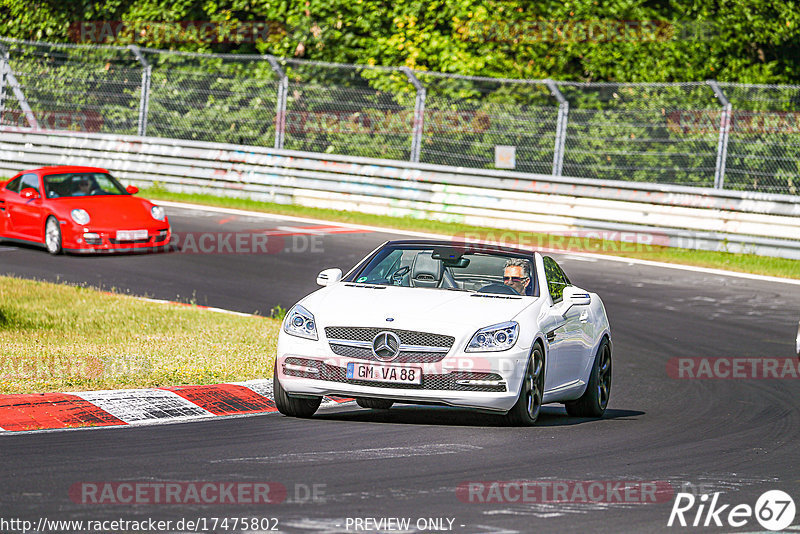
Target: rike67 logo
774	510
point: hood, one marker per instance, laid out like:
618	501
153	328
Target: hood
110	210
431	310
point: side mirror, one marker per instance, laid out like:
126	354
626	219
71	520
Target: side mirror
577	296
572	296
798	340
29	193
132	189
329	277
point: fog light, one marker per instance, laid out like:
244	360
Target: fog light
92	238
299	368
481	382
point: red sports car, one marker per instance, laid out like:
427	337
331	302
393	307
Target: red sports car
79	209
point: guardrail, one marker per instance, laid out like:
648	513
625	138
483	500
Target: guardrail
687	217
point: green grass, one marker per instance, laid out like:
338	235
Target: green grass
57	337
747	263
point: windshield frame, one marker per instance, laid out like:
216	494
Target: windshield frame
356	272
46	185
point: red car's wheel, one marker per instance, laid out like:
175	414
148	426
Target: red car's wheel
52	235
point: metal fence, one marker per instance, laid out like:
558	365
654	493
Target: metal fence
705	134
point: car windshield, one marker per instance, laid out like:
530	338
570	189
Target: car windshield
81	184
450	268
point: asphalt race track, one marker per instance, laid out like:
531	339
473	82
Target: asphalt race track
735	436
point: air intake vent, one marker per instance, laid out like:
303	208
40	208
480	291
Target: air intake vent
365	286
488	296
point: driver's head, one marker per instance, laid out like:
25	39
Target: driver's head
517	274
84	186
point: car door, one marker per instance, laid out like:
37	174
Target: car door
24	215
9	189
566	339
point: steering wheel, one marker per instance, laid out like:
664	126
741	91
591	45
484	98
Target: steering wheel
498	288
397	276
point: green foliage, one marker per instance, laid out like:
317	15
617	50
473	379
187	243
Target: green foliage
615	131
752	41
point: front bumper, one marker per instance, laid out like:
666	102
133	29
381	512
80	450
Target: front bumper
90	240
460	379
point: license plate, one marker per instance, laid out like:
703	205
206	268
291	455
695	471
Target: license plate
131	235
384	373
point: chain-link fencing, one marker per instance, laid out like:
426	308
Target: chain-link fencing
707	134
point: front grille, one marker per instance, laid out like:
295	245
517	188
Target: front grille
333	373
407	337
363	353
129	242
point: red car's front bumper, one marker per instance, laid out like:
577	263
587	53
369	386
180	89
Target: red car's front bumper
95	240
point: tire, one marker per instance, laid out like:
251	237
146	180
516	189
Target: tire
374	404
529	402
52	236
290	406
594	400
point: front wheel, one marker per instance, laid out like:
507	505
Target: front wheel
291	406
529	403
594	400
52	236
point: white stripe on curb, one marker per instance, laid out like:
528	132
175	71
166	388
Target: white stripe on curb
259	386
263	387
144	405
608	257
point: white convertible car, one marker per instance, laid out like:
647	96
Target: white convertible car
435	322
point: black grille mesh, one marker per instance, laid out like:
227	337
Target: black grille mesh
407	337
363	353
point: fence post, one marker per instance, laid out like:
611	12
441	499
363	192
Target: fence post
3	62
144	98
11	80
280	108
724	130
419	115
561	128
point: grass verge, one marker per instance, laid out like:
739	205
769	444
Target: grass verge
57	337
747	263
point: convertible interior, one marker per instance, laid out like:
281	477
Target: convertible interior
420	268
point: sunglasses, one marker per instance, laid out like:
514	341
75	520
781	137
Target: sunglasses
515	279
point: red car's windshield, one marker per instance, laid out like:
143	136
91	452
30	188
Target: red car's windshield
80	184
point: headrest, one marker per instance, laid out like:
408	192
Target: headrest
425	271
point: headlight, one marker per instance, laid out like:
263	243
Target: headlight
494	338
158	213
80	216
299	322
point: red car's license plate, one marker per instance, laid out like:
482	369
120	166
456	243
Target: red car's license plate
131	235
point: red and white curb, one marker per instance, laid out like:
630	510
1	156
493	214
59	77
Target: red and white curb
46	411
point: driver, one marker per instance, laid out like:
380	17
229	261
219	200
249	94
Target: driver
84	188
517	275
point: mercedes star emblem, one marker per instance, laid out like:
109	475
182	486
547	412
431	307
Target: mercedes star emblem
385	346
